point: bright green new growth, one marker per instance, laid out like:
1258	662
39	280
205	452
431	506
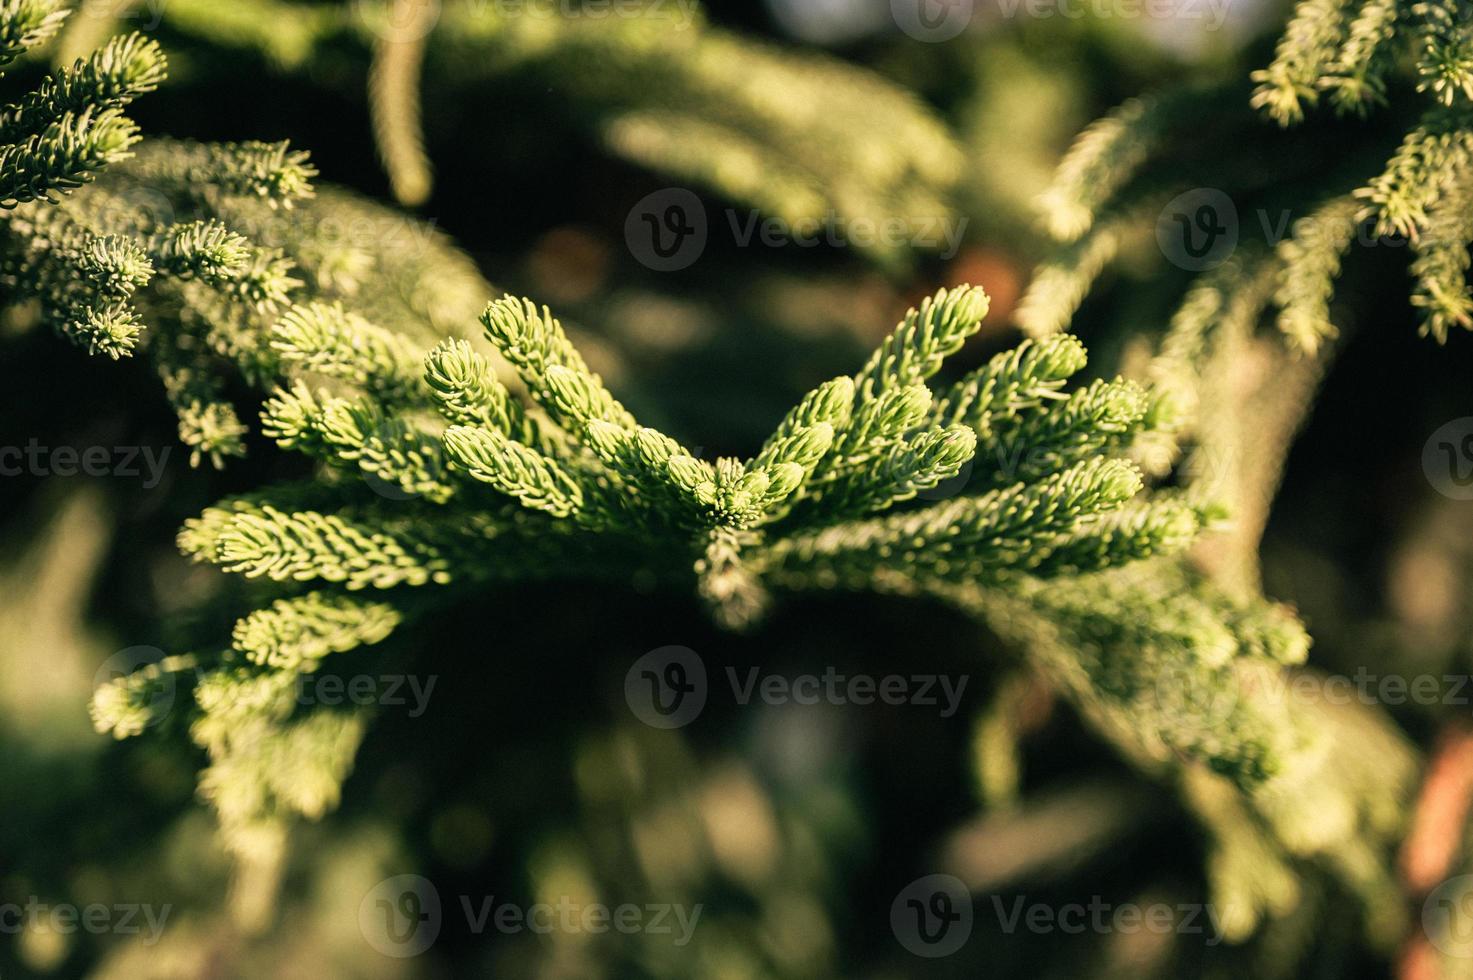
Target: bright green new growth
160	257
1348	49
153	237
852	447
1014	492
60	135
293	634
438	480
1194	670
25	24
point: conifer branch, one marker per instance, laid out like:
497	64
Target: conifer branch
1440	266
335	342
1310	259
1445	63
1101	161
272	173
1059	286
296	633
1357	79
25	24
1305	54
492	457
112	77
66	154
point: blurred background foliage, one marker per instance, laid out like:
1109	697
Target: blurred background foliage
528	778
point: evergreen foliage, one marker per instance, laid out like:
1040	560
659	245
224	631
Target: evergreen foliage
1231	433
453	439
671	93
59	135
1350	54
